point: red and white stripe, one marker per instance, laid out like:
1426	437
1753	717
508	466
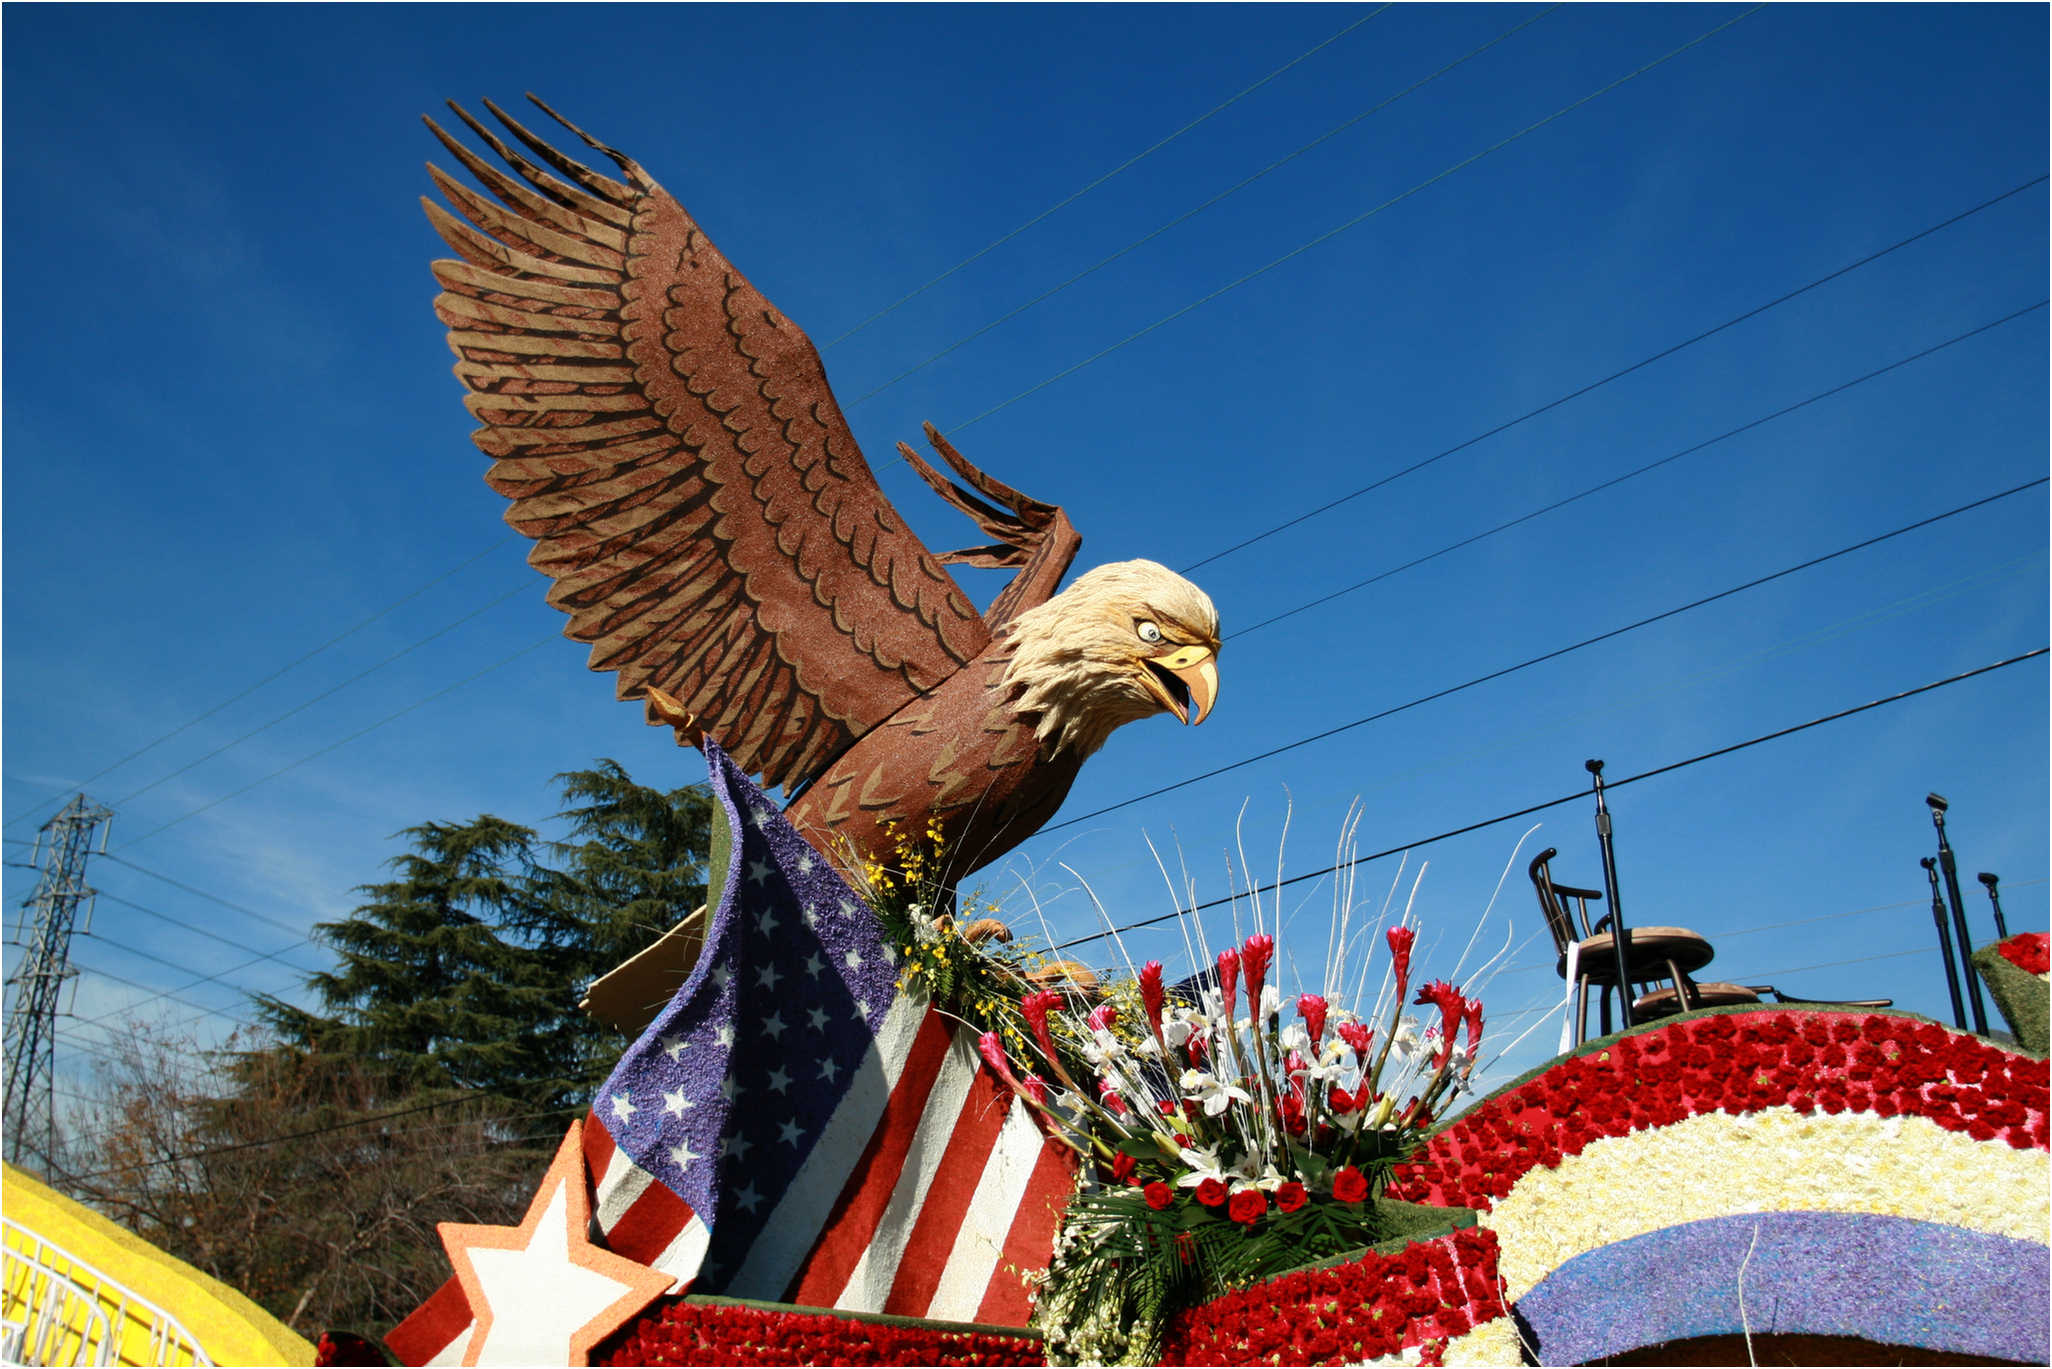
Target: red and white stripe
931	1193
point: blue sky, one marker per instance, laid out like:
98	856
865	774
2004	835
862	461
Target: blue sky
231	435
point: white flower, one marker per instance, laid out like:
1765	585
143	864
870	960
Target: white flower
1270	1179
1213	1092
1407	1045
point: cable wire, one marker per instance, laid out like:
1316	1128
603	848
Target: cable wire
198	930
324	694
1639	365
1577	796
1354	222
1649	467
288	666
1192	213
1126	165
360	732
264	918
1554	654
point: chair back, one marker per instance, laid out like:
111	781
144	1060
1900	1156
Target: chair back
1554	900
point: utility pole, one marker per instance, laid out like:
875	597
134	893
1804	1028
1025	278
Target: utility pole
31	1103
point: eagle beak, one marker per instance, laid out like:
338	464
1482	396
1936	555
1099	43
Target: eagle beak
1186	681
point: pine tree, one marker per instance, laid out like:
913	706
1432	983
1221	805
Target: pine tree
634	866
429	991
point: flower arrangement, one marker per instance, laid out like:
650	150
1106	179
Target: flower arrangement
1228	1146
701	1331
1814	1063
2029	952
1425	1294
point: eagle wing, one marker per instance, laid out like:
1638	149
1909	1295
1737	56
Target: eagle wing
668	439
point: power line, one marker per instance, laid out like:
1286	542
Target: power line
292	664
324	694
1593	385
159	993
360	732
1578	795
198	930
1542	657
1126	165
213	898
1192	213
1354	222
273	1140
1650	466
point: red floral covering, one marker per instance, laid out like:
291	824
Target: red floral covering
1828	1062
1423	1295
2028	951
680	1332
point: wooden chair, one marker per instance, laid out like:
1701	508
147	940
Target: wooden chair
1653	955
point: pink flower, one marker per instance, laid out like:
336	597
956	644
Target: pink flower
1311	1008
1400	941
1228	977
1452	1007
1035	1088
1259	950
1103	1016
993	1050
1108	1094
1474	1023
1034	1007
1358	1036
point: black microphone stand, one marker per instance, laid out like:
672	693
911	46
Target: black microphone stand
1617	924
1950	867
1930	865
2001	927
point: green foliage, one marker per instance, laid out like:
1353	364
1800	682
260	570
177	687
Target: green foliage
463	972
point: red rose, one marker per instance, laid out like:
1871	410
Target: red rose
1291	1196
1122	1168
1247	1206
1211	1192
1349	1185
1159	1195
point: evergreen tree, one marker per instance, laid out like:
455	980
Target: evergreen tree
429	992
633	867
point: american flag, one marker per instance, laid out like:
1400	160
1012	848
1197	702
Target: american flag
796	1128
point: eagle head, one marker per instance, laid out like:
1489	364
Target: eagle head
1126	641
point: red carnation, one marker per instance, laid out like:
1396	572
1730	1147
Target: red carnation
1291	1196
1248	1204
1349	1185
1159	1195
1211	1192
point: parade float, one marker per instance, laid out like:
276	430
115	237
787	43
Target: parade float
857	1125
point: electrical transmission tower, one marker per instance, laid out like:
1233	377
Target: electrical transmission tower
31	1103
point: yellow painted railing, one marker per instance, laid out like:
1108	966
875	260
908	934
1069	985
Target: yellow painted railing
77	1289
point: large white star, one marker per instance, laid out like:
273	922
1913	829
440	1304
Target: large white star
541	1292
766	977
675	1103
819	1018
759	870
790	1133
623	1107
779	1080
773	1026
746	1198
682	1155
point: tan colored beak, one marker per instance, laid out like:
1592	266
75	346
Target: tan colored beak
1195	668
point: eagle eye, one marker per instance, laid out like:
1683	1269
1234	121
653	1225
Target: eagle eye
1148	632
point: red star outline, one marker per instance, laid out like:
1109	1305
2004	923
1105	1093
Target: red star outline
643	1284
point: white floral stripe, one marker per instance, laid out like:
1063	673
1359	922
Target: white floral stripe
1774	1160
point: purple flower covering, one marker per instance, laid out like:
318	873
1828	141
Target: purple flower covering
1891	1280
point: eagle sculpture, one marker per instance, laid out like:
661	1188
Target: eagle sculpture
668	440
